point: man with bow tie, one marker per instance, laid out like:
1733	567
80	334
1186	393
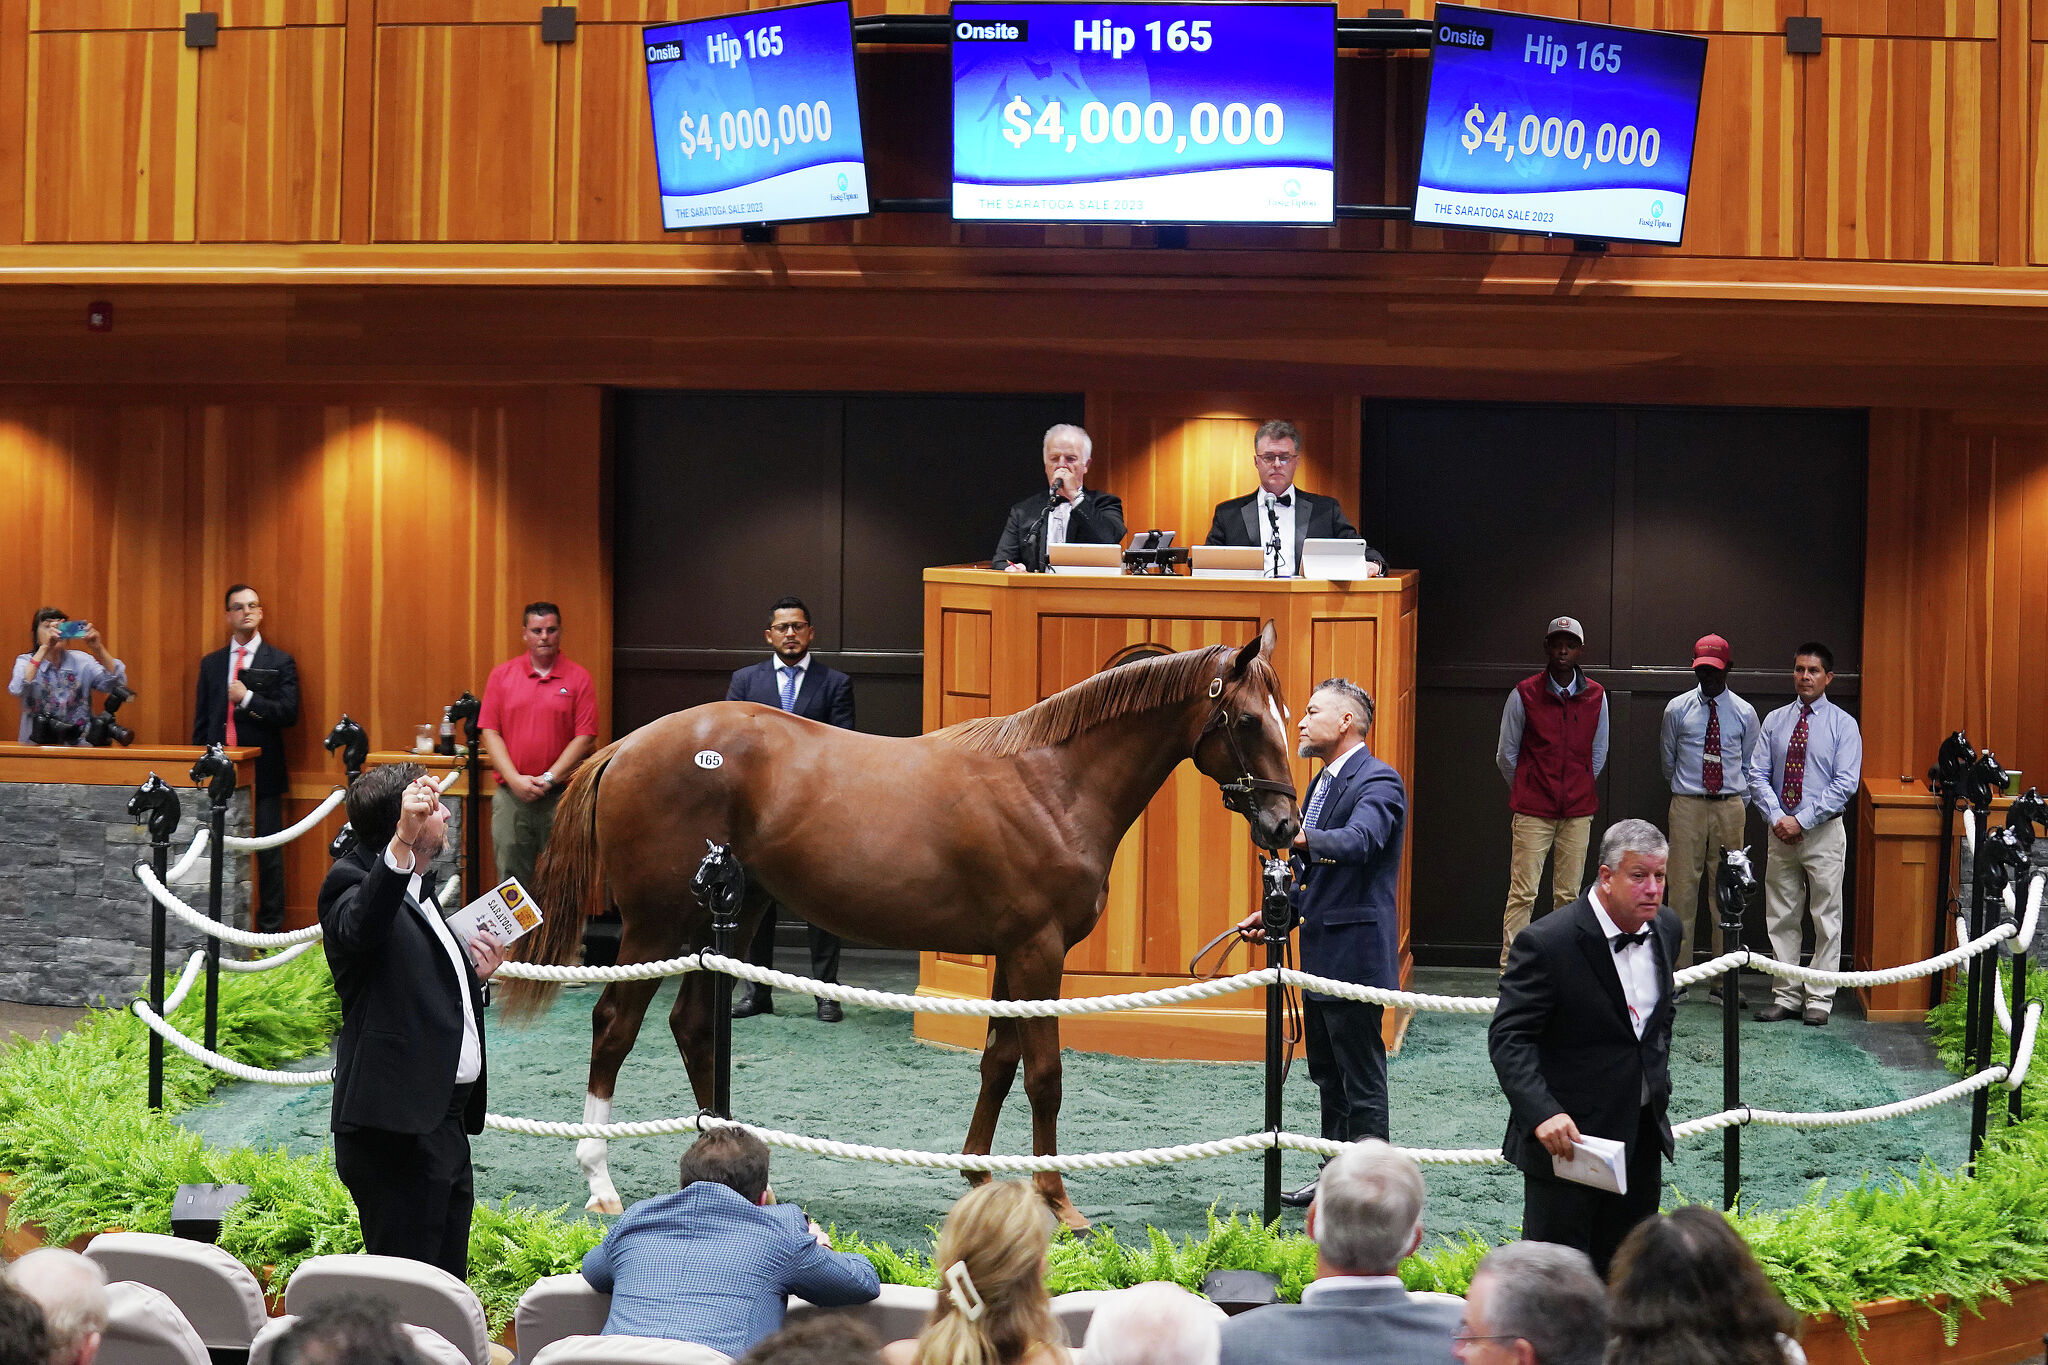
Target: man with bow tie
1348	860
1581	1041
227	710
1279	516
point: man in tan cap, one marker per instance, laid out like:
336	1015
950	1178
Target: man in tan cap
1709	734
1553	744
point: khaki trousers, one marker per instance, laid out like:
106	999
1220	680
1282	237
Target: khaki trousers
1564	842
1700	828
519	831
1806	876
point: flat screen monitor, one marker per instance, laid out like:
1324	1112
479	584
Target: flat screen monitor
1558	127
756	117
1135	113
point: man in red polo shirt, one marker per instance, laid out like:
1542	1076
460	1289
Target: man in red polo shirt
539	721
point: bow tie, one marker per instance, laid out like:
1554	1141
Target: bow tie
1621	941
1285	499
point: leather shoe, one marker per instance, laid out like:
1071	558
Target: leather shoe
747	1004
829	1012
1815	1015
1775	1014
1301	1198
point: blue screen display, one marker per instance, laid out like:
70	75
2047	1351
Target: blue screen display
756	117
1175	113
1558	127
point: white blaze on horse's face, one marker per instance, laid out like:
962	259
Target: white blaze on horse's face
1278	712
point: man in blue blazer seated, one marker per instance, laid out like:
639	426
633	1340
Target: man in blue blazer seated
792	680
714	1262
1348	864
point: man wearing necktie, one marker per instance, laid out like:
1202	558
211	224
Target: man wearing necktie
1581	1042
1707	738
409	1060
1348	865
793	681
229	711
1279	516
1802	777
1065	514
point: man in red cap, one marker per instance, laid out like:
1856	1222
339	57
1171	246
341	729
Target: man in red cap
1553	744
1709	734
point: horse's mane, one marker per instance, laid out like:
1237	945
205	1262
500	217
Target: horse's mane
1141	685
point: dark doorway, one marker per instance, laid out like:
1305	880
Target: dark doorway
727	501
1652	526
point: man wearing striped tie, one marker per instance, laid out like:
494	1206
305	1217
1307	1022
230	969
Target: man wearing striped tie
792	680
1348	866
1802	777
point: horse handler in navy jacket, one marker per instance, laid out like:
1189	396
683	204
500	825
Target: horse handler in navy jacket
1348	867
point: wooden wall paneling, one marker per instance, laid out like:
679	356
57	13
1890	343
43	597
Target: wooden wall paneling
62	16
1889	685
1902	150
1708	16
14	41
1907	18
465	143
358	118
1745	197
608	190
111	147
2036	160
270	134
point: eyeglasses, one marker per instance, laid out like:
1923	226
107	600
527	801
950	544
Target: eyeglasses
1463	1334
790	628
1275	457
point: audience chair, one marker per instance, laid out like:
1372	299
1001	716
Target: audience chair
899	1313
431	1346
215	1292
1076	1310
557	1307
627	1351
424	1295
145	1328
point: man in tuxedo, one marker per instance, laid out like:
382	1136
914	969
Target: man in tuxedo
1581	1041
409	1061
1066	513
1279	516
229	711
1366	1218
1348	855
800	685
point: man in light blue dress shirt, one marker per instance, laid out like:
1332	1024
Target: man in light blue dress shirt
1802	777
1707	784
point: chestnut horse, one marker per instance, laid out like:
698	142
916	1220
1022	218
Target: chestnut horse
992	836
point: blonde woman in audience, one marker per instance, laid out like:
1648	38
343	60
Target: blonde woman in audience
993	1308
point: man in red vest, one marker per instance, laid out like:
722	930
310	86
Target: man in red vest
1553	744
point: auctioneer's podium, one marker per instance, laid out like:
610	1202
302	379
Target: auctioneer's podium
996	643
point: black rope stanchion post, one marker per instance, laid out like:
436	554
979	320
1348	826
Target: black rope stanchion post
1276	918
464	712
215	771
2026	811
156	802
719	881
1984	780
354	743
1734	887
1945	780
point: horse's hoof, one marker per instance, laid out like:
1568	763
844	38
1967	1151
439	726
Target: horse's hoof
599	1204
1071	1218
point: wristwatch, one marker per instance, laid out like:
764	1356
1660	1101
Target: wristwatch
548	777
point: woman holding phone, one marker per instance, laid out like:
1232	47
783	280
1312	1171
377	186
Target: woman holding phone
57	677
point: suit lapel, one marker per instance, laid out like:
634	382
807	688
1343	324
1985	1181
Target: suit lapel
1251	522
1304	509
1600	957
807	689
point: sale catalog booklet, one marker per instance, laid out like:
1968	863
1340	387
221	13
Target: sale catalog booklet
505	911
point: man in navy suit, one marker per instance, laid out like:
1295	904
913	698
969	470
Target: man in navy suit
1581	1041
229	711
802	686
1279	516
1348	858
715	1262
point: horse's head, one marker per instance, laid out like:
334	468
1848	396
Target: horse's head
1243	746
215	771
156	803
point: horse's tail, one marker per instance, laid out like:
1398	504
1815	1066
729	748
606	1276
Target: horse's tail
571	885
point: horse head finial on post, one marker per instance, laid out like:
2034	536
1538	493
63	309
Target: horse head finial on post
215	771
156	803
354	744
2026	811
720	883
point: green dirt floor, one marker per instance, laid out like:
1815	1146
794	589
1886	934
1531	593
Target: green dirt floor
867	1080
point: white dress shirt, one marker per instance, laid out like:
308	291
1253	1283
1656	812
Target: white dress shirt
1056	521
470	1063
1637	965
1269	504
238	660
1315	1288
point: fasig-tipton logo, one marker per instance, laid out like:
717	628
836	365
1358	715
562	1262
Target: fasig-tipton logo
1474	36
991	31
664	52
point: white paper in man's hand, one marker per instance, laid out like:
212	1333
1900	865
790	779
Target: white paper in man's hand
505	911
1596	1161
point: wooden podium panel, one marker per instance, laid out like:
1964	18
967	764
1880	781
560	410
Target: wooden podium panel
996	643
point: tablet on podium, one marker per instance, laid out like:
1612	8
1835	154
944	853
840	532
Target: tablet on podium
1227	561
1337	560
1100	560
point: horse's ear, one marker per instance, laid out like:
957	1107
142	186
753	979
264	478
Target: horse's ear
1253	649
1268	637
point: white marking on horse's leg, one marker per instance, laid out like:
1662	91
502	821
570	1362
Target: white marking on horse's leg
590	1155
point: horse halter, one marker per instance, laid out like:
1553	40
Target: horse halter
1238	793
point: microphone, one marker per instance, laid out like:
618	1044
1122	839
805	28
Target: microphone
1273	518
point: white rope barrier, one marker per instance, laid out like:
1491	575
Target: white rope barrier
176	872
186	979
201	1053
2026	1052
631	971
992	1009
2033	915
166	898
285	836
1374	995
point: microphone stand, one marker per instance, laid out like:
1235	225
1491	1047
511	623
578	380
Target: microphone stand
1273	516
1052	504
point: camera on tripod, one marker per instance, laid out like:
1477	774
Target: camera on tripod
103	730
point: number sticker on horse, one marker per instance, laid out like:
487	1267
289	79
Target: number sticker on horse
709	758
